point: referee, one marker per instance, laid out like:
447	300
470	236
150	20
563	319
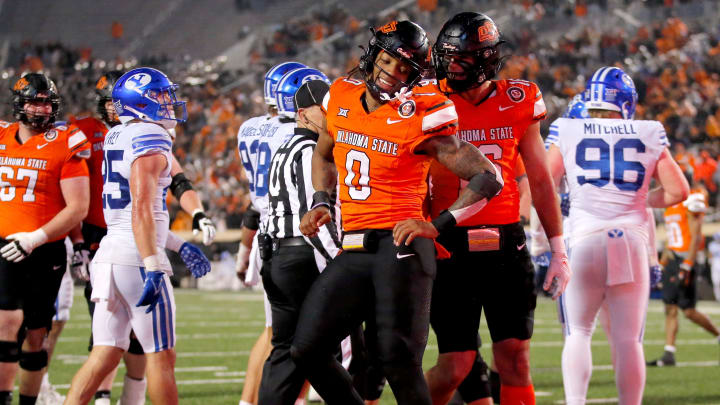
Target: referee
297	260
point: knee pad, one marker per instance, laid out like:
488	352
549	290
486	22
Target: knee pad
9	352
135	346
476	384
33	361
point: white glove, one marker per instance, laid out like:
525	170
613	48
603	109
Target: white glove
80	262
22	244
558	274
201	223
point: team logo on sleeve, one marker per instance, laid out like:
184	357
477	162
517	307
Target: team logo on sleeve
343	112
51	135
516	94
407	109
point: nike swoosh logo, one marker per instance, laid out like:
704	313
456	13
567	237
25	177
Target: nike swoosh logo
42	146
520	247
389	121
56	267
501	108
399	256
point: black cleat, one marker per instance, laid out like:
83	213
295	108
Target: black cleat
667	360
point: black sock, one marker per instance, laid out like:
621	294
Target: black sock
495	385
27	400
5	397
102	394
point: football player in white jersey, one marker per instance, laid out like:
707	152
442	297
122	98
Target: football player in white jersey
129	270
258	140
609	160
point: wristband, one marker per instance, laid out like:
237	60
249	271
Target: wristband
152	263
198	211
557	244
444	221
320	198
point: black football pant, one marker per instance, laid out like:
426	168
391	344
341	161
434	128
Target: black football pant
392	287
287	279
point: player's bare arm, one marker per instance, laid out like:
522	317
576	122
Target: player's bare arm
76	192
144	175
673	185
542	188
324	179
466	162
190	202
695	220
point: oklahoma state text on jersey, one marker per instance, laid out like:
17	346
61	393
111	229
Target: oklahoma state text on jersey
30	175
676	222
382	179
95	130
496	126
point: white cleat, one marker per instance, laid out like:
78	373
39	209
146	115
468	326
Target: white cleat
313	396
49	396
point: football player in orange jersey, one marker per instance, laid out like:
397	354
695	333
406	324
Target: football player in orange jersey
382	133
685	240
44	192
502	119
93	228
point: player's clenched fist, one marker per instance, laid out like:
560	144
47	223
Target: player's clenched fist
313	220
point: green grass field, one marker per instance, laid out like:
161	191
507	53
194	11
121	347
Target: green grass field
216	330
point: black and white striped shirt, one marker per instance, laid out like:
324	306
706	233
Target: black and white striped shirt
290	193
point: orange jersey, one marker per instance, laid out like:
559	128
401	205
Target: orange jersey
677	227
496	126
382	179
95	131
30	175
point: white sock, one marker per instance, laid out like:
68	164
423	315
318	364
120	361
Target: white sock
102	401
577	365
300	401
133	392
670	349
46	380
244	403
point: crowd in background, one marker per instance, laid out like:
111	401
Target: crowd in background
675	64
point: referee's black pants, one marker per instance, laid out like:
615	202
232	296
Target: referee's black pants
391	287
286	280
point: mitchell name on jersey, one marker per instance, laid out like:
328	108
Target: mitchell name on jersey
123	144
609	164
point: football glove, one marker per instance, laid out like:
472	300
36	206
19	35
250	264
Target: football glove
201	223
194	259
80	262
21	244
152	290
685	273
655	276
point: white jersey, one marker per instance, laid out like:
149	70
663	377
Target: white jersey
609	164
123	144
258	140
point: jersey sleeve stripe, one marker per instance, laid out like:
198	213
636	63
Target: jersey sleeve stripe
442	128
140	151
436	106
540	110
150	136
151	142
439	118
80	146
74	140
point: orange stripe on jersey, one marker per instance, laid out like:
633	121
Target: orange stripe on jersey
496	127
382	181
30	175
95	130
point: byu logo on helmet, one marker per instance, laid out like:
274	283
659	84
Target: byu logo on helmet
272	78
289	84
611	89
136	82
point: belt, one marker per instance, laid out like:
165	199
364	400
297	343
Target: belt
287	242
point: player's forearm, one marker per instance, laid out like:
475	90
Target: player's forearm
76	235
324	173
143	226
246	236
65	220
547	204
695	225
661	198
190	201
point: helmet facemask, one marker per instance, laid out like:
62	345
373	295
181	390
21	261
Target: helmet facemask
475	67
36	120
